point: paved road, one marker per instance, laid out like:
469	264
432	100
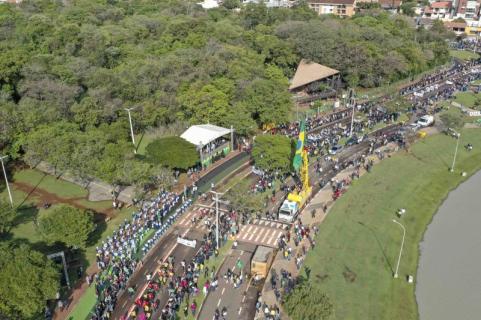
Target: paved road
262	232
240	302
166	247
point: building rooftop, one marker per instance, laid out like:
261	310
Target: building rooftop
308	72
441	5
351	2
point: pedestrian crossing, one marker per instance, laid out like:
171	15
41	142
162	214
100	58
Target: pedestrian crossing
260	235
270	223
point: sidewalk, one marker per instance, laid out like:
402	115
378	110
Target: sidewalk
324	196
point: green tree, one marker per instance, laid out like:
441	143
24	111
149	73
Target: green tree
452	120
231	4
272	152
7	215
66	224
242	199
305	294
27	280
172	152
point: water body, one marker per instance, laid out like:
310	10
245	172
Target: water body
449	275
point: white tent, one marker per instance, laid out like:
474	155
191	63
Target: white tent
209	4
204	134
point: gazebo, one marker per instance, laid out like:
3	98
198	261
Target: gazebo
310	75
213	142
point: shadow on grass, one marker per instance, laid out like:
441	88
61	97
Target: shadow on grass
25	214
32	191
379	243
140	142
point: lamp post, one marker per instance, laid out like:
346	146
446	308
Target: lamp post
352	116
455	151
400	251
216	217
131	127
6	180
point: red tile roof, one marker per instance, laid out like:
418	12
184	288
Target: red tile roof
441	4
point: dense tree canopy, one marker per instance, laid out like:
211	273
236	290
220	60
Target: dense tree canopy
272	152
242	199
68	70
453	120
27	280
172	152
66	224
319	304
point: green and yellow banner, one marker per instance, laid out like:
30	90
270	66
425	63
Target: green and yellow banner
297	162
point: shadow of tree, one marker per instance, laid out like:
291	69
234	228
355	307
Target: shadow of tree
25	214
379	243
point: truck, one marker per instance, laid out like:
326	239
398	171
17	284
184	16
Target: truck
295	201
288	211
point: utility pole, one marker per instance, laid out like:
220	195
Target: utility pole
400	251
352	116
131	128
455	151
216	217
6	180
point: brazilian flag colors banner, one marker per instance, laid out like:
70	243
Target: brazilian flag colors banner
297	163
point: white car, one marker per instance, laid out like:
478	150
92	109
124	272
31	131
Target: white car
425	121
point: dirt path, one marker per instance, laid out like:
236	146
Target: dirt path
47	197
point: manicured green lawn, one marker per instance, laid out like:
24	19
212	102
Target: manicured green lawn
358	244
463	54
85	304
49	183
467	98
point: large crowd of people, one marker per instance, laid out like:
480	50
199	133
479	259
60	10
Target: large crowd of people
118	256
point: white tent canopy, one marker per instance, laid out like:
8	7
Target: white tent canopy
204	134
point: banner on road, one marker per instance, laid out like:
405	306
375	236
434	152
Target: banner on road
186	242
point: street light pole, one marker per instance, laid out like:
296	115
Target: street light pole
352	117
6	180
216	217
402	245
131	127
455	151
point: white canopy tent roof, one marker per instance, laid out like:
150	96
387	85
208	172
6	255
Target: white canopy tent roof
204	134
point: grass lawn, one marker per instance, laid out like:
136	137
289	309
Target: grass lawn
142	141
85	304
49	183
463	54
358	243
476	82
467	99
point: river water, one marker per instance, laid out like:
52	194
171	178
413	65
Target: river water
449	274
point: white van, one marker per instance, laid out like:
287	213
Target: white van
425	121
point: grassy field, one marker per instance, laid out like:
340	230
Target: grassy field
358	243
467	99
463	54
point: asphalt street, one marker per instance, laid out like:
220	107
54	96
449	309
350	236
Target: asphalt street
240	302
166	247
